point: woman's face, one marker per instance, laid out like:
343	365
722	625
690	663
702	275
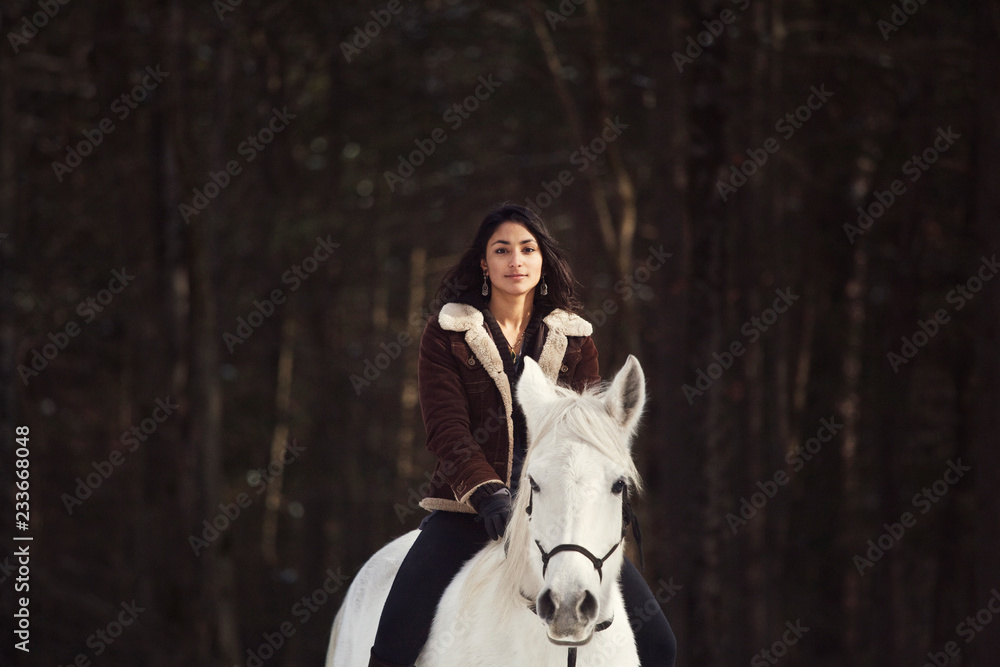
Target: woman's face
513	260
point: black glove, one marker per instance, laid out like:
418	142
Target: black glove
494	510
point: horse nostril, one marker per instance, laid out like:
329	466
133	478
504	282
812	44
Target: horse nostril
545	606
587	609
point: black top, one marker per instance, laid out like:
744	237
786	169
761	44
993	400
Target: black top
513	368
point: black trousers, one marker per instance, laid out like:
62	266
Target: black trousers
446	541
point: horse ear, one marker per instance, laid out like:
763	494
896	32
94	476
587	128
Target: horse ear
627	395
534	390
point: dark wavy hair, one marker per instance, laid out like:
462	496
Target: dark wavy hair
464	282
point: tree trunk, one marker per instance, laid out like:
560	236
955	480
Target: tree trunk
405	460
708	420
168	497
9	379
617	232
670	468
986	453
856	291
218	604
279	438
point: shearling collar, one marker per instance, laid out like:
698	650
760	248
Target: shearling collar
568	324
460	317
463	317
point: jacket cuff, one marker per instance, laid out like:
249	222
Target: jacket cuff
484	492
466	499
445	505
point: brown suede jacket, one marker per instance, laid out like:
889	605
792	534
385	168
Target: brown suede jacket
466	398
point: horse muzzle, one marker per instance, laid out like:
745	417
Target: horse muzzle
569	618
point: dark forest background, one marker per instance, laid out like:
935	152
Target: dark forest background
117	302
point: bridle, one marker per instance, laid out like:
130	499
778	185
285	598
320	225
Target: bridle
628	519
598	562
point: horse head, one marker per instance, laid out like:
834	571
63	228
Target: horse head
571	511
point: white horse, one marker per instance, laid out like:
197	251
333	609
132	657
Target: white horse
547	595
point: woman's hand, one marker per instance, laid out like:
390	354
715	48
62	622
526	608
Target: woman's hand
495	510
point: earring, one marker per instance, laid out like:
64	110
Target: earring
545	288
486	285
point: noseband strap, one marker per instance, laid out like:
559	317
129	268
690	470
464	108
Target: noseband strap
598	562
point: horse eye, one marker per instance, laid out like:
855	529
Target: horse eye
534	487
618	487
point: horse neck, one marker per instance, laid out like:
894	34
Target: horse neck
516	567
488	578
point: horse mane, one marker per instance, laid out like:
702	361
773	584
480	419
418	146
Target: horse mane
579	418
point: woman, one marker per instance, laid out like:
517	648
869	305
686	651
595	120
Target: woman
517	297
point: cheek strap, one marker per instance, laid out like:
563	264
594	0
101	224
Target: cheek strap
629	518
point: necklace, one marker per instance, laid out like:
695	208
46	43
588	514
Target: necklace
513	348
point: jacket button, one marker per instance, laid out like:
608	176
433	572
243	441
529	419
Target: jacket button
472	361
564	369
